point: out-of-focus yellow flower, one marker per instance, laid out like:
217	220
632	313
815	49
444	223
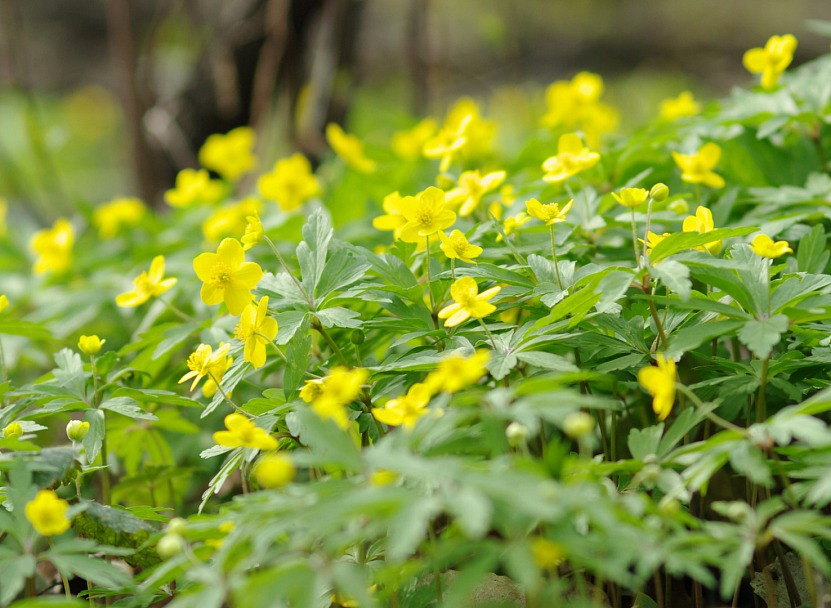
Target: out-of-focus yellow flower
349	148
194	188
550	213
457	372
231	155
90	345
660	383
652	240
53	247
13	429
205	362
513	222
339	388
547	555
77	430
274	471
47	513
764	247
702	222
230	220
479	132
254	231
472	187
572	158
680	206
225	275
408	144
495	210
147	285
405	410
698	168
119	213
394	218
311	390
575	105
382	477
242	433
467	302
772	60
631	197
91	112
425	215
456	246
680	107
448	143
255	330
4	302
291	183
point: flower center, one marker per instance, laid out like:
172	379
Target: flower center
221	273
426	217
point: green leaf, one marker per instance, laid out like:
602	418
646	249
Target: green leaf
298	356
70	372
339	316
14	570
812	254
694	335
761	336
48	602
311	253
546	360
328	444
126	406
117	528
674	275
342	269
95	436
27	329
681	241
643	442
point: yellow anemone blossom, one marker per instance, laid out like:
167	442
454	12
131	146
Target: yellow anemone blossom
230	220
225	275
13	430
242	433
311	390
147	285
572	158
47	513
457	372
408	144
90	345
467	302
291	183
110	218
255	330
53	247
547	555
405	410
631	197
479	132
575	105
254	232
472	187
194	188
456	246
702	222
764	247
698	168
772	60
680	107
349	148
652	240
550	213
393	219
4	302
274	471
513	222
448	142
204	361
339	388
231	155
426	215
660	382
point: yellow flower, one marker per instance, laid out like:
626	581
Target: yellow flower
14	429
479	133
472	187
425	215
456	246
702	222
408	144
53	247
194	188
291	183
274	471
47	513
468	302
311	390
119	213
660	382
572	158
394	218
339	388
77	430
225	275
255	330
349	148
147	285
4	302
513	222
210	388
698	168
405	410
204	361
631	197
448	142
680	107
231	155
457	372
242	433
550	213
230	220
772	60
547	555
90	345
764	247
652	240
253	232
382	477
575	105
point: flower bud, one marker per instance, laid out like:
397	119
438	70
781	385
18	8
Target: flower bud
177	526
77	430
90	345
170	545
680	207
659	192
15	429
358	337
578	425
517	434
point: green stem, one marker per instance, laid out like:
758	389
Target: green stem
488	332
64	580
338	352
285	266
184	316
5	371
436	571
554	257
225	395
658	325
453	269
646	231
715	418
105	467
761	399
429	276
635	240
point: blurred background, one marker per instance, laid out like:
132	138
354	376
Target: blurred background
110	98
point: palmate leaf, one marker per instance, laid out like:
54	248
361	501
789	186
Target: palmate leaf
116	528
761	336
312	251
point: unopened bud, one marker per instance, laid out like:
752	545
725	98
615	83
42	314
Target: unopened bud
15	429
517	434
177	526
358	337
578	424
170	545
659	192
77	430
